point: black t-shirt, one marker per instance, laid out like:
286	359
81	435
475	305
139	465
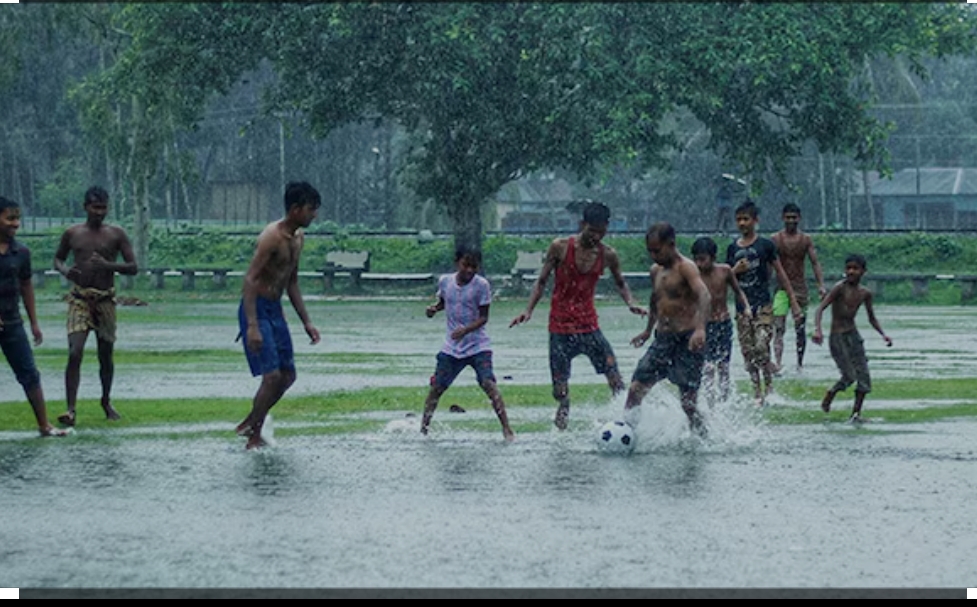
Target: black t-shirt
755	282
15	266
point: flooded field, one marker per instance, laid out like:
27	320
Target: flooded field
753	506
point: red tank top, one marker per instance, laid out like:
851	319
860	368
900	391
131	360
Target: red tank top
572	307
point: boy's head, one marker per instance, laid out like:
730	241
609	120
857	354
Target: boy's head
854	267
660	242
302	200
593	226
791	216
467	261
9	218
96	203
704	252
747	215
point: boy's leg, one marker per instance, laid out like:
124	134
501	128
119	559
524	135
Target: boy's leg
800	333
696	424
562	350
430	404
636	393
72	374
273	387
491	390
106	373
779	328
856	412
829	397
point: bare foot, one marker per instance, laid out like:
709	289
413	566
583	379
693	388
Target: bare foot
562	416
244	428
509	435
110	412
67	418
255	442
52	431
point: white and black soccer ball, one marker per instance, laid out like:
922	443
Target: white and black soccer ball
615	437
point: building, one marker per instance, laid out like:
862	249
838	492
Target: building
926	199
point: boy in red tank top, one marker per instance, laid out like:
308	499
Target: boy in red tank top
578	262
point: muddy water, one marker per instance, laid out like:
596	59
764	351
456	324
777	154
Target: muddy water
753	506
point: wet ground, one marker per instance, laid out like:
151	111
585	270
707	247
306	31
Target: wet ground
752	506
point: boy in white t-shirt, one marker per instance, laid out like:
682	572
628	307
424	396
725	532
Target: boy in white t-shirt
465	297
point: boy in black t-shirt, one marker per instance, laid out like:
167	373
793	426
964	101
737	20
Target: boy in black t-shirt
751	256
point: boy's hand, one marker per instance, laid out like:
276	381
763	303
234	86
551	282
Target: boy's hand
431	311
640	339
888	340
817	337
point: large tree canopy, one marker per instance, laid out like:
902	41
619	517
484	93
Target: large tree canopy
489	91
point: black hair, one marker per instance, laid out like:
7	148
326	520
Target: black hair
705	246
662	230
96	194
298	193
856	258
6	203
748	207
462	251
596	214
790	207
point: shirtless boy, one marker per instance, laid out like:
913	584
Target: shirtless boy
465	298
15	285
272	273
847	347
794	247
578	262
720	280
752	256
96	247
680	305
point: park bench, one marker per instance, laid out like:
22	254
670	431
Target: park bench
525	270
219	276
350	263
39	277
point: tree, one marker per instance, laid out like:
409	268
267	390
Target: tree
488	92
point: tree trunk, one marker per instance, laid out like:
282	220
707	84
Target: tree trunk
466	218
140	203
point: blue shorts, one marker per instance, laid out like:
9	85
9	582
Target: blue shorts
17	348
276	352
449	367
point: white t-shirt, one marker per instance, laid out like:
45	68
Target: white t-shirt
461	304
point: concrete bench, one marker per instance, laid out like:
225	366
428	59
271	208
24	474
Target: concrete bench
525	270
219	276
399	280
350	263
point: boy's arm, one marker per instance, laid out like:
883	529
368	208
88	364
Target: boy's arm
295	296
642	337
830	297
614	265
870	311
553	255
739	292
27	294
816	267
434	308
475	325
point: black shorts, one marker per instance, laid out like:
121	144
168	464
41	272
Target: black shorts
669	356
564	347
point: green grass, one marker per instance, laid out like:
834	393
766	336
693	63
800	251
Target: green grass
338	412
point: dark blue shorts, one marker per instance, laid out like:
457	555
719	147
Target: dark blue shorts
719	341
565	347
276	352
449	367
17	348
669	356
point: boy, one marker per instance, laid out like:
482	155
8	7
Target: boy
95	247
794	247
719	279
578	262
272	273
465	296
751	256
677	314
15	284
847	347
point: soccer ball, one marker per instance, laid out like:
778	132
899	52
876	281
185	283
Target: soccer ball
615	437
